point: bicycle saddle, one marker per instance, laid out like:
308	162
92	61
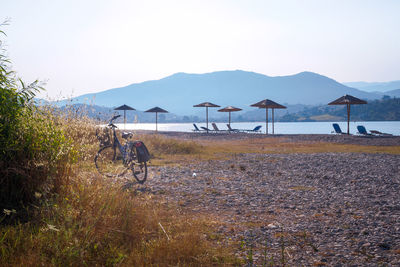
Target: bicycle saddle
126	135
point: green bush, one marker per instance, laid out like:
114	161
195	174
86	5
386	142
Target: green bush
34	152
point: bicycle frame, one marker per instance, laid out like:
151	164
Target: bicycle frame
129	157
117	144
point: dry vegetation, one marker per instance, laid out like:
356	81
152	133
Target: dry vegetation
92	221
174	151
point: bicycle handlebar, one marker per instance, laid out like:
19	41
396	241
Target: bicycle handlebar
113	118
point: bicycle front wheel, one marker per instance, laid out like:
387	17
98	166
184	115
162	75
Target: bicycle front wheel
109	162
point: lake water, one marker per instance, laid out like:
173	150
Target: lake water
392	127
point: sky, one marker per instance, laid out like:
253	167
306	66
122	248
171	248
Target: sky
79	47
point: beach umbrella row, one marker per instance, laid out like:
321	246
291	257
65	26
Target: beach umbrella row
266	103
153	110
347	100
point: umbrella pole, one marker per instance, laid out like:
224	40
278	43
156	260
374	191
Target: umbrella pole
207	118
266	120
273	121
124	118
348	118
156	121
229	118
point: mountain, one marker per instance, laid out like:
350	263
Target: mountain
377	110
393	93
179	92
382	87
104	114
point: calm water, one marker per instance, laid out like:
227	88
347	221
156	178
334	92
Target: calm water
392	127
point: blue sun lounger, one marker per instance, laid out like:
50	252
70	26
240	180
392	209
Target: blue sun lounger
256	129
337	129
361	130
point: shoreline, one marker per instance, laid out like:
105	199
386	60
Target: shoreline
330	138
392	127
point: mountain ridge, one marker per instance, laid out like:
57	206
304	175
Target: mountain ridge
180	91
382	87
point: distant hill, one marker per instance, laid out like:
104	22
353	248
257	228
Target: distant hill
393	93
179	92
104	114
377	110
382	87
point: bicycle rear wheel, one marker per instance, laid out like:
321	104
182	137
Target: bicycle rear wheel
109	162
139	171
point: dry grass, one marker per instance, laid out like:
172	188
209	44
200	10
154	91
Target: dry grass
92	221
224	149
302	188
280	146
170	150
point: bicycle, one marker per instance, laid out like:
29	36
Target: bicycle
114	159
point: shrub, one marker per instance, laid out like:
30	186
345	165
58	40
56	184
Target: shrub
35	153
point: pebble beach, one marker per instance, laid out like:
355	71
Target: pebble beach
310	209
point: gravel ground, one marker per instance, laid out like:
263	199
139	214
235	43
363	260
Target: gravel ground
333	209
332	138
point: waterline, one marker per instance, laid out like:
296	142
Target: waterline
391	127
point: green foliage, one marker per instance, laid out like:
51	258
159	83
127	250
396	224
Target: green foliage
34	150
378	110
386	109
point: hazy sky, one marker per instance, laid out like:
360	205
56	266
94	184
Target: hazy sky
88	46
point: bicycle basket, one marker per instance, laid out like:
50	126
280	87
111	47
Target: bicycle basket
142	153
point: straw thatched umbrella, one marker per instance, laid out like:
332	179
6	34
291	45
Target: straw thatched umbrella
206	105
266	103
229	109
124	108
157	110
348	100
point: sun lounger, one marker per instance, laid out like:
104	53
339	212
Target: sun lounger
361	130
230	129
206	129
214	125
380	133
337	129
256	129
196	129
